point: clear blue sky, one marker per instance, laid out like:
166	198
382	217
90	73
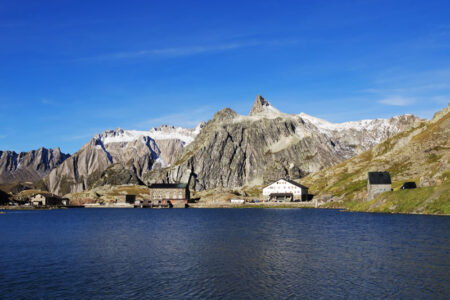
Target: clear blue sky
70	69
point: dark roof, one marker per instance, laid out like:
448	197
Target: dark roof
295	183
379	178
168	186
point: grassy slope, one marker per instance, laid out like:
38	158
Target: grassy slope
421	154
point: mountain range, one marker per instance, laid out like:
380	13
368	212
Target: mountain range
29	166
229	151
233	150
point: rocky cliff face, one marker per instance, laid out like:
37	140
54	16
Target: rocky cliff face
234	151
29	166
133	153
262	107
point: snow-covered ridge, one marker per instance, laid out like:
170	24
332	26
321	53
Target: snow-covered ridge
269	110
186	135
354	136
377	124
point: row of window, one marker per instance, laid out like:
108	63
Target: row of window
287	187
167	196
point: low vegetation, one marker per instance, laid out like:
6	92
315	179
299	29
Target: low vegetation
424	200
421	154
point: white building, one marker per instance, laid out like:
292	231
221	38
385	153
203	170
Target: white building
237	201
44	199
285	190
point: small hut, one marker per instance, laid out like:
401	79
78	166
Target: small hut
126	199
46	199
377	183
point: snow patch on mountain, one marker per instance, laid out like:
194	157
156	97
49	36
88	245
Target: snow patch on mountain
326	126
186	135
380	129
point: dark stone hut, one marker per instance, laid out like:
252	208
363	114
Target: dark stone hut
377	183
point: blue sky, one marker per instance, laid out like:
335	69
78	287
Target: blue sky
70	69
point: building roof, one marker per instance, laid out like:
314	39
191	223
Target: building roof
168	186
379	178
295	183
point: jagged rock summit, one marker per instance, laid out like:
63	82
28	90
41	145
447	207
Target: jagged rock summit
29	166
262	107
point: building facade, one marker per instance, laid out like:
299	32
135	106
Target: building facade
285	190
168	195
129	199
237	201
46	200
377	183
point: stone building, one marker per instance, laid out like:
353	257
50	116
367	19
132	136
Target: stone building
168	195
45	199
130	199
377	183
285	190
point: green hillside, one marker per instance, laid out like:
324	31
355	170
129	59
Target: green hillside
421	154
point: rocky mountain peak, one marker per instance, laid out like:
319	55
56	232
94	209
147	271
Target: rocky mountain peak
226	114
258	105
262	107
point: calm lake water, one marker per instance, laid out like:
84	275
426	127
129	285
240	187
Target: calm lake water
222	253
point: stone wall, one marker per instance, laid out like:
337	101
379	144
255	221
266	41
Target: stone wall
376	189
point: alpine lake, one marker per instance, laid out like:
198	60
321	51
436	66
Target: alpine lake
222	254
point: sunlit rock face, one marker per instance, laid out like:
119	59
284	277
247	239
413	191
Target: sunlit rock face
234	151
137	152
